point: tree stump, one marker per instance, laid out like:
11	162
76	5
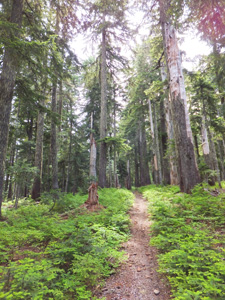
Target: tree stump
92	195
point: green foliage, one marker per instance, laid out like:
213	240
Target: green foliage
62	202
118	142
44	255
189	231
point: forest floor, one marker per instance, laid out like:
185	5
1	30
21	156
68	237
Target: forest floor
137	278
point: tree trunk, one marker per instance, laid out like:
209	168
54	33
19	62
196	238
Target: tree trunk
110	168
170	143
12	159
164	137
92	195
68	166
157	149
197	147
188	172
137	178
221	155
128	179
207	154
60	104
214	157
115	176
54	147
103	116
157	171
54	141
70	147
17	195
7	83
93	157
93	154
144	169
36	189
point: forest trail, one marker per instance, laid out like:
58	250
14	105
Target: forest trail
137	278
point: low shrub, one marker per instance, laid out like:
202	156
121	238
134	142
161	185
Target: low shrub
45	255
189	232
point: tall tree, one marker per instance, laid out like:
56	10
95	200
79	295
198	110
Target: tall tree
187	166
103	116
7	83
106	19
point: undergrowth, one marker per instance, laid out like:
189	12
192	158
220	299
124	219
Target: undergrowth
47	255
189	232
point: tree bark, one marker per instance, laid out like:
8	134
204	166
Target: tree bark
207	154
157	171
164	135
188	171
7	83
12	159
70	148
136	161
157	149
128	179
109	167
36	189
174	178
60	104
93	154
197	147
144	169
92	195
221	156
54	147
214	158
115	176
103	116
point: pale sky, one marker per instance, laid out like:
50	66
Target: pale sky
193	47
189	43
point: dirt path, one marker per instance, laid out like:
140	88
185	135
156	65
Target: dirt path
137	279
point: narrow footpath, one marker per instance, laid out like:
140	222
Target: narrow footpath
137	278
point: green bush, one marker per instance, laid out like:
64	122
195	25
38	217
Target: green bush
189	232
46	256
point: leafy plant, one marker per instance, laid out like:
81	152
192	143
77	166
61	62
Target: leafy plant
45	255
189	232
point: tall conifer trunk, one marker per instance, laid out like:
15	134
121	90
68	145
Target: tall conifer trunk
7	83
54	149
103	116
214	157
157	149
188	171
221	156
70	148
128	178
144	169
170	135
136	161
156	152
93	154
36	189
164	139
54	144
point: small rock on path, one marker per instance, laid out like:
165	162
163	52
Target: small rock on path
137	279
